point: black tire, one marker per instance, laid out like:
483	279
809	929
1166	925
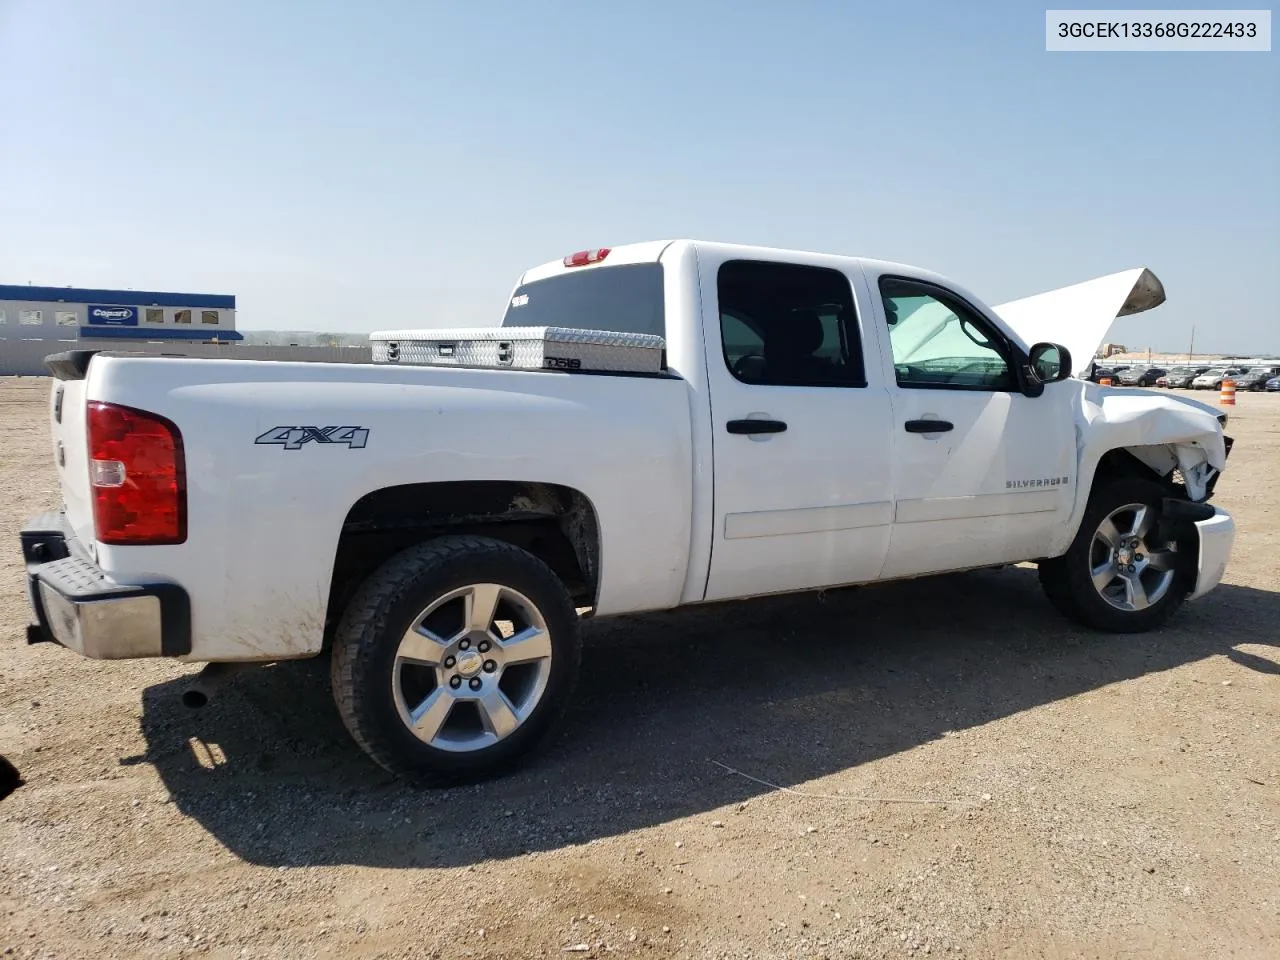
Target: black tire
1067	580
387	605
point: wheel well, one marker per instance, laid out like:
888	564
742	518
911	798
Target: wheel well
557	524
1121	464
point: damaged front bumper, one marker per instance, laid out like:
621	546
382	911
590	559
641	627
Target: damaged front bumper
1215	533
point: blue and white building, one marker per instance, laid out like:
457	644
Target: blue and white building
62	314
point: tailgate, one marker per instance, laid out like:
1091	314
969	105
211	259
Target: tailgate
70	439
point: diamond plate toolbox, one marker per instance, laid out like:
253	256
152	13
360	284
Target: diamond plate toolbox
523	348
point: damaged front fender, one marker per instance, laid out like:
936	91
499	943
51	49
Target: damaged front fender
1180	432
1165	433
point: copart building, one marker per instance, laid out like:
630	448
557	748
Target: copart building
38	321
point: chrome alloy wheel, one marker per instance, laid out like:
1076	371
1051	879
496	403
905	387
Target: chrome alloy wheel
472	667
1130	572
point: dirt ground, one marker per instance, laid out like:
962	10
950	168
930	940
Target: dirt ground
965	775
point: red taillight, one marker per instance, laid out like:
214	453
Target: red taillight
138	477
584	257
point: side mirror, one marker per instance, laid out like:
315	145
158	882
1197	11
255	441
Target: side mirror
1050	362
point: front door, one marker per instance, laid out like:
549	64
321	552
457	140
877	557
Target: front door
801	442
982	473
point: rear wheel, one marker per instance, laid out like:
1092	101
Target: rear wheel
1119	575
455	659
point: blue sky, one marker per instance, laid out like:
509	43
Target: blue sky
347	166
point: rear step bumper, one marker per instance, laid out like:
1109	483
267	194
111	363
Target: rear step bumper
78	606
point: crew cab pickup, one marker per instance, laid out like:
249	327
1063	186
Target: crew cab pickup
813	421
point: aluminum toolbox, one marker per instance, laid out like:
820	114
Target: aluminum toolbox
523	348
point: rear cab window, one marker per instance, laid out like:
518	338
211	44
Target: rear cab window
626	298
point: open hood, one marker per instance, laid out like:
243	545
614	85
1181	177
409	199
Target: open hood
1079	316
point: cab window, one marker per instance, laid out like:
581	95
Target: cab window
784	324
939	342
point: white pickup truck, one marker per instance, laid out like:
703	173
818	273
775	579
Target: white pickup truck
816	421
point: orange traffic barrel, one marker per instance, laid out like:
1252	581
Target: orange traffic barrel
1228	398
1104	381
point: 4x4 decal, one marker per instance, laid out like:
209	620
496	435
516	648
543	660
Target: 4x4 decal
293	438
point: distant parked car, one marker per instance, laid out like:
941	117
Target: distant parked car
1255	378
1113	373
1141	376
1212	379
1181	377
1273	384
1246	379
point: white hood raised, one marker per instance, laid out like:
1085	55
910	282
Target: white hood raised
1079	316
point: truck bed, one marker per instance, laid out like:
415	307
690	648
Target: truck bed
277	454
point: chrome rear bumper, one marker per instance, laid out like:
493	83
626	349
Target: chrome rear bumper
76	605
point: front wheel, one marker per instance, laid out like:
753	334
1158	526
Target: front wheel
454	660
1118	575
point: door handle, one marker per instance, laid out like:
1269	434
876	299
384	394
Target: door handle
929	426
755	426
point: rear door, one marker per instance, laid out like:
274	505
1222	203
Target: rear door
801	435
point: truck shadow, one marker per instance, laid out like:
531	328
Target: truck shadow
786	689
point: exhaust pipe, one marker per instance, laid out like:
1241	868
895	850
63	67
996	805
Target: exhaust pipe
209	681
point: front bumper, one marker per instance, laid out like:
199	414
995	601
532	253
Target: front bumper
1216	535
78	606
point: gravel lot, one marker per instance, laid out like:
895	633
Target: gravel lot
965	775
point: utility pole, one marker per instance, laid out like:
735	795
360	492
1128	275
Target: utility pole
1192	349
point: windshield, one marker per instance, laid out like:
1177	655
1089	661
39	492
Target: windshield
621	299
